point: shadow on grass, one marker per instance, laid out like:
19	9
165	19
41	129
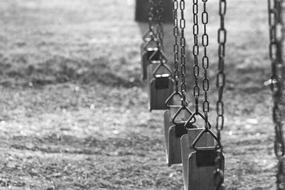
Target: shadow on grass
59	69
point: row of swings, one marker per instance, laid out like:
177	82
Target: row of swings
188	140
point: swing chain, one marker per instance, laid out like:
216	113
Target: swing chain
183	53
275	48
159	28
275	22
151	16
205	63
196	69
221	80
176	45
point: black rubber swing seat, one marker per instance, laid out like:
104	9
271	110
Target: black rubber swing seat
187	149
161	87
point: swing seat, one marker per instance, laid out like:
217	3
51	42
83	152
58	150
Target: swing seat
161	87
186	149
175	132
202	168
149	56
167	124
162	81
144	65
168	115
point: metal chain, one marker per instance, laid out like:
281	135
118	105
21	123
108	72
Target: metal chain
221	80
275	48
196	69
151	16
153	20
158	18
176	44
149	35
205	63
276	78
183	52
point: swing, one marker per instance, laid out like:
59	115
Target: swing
199	164
202	162
201	149
157	55
161	86
149	45
150	55
202	154
175	132
173	101
186	144
160	79
186	149
178	128
173	108
150	52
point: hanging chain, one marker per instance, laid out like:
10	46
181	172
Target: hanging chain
196	69
176	44
151	17
154	16
276	47
221	80
158	19
205	62
183	52
276	58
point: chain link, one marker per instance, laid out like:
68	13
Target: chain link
151	16
150	35
176	44
221	80
276	28
183	52
196	69
205	62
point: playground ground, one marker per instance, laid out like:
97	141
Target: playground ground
73	112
